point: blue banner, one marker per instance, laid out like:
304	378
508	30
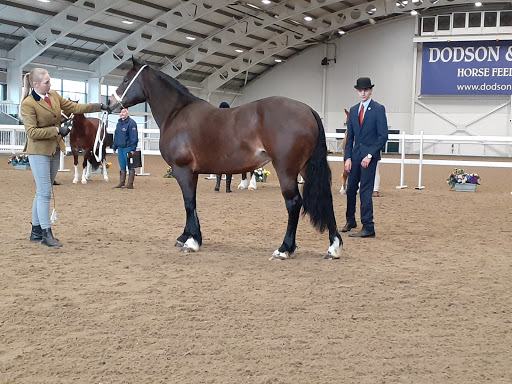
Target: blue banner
467	68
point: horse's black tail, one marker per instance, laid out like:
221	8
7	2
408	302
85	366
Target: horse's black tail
316	194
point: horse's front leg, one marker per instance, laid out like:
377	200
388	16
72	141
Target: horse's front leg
191	239
293	202
75	163
104	165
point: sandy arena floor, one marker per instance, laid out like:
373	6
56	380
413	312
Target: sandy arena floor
427	301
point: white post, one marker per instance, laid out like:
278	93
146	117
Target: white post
141	140
402	164
421	162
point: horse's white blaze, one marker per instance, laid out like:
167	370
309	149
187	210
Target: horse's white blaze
252	184
243	184
335	250
191	244
280	255
75	180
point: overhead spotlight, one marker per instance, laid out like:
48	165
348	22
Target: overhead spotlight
372	21
478	4
190	38
266	1
44	1
278	60
239	50
414	12
308	18
129	22
341	32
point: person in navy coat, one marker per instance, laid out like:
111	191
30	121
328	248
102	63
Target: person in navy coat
367	133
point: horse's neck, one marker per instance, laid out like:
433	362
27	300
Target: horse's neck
166	99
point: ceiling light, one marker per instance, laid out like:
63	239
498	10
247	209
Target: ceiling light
266	1
478	4
253	6
278	60
239	50
341	32
190	38
414	13
124	21
44	1
308	18
372	21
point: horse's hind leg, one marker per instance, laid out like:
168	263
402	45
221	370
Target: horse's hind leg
293	202
191	239
84	170
104	165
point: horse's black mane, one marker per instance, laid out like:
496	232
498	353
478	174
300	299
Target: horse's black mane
182	90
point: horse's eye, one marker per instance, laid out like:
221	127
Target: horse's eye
125	80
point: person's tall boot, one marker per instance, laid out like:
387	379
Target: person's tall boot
217	186
122	179
37	234
131	178
228	182
48	238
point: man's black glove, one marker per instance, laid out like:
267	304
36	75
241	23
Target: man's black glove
63	131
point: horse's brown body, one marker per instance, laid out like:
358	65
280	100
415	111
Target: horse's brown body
245	136
196	138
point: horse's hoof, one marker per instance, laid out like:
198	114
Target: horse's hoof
343	191
190	245
84	181
75	181
334	251
279	255
179	244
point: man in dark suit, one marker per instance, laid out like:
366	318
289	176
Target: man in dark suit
367	133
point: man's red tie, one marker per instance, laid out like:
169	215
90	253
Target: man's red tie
361	115
47	99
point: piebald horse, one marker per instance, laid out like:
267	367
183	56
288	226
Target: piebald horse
198	138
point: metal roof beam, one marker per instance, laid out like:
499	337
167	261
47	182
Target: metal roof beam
148	34
56	29
237	30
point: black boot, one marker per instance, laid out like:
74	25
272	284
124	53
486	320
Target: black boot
228	182
49	240
36	234
217	186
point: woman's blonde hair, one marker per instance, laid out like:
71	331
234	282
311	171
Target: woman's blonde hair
34	75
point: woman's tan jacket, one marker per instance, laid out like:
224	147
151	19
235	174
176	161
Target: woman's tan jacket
42	121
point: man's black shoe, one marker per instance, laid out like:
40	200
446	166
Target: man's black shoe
363	233
348	227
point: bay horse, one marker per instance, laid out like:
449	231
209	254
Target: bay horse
198	138
82	139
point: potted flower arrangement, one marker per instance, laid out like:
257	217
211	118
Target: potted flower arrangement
19	161
261	175
168	174
463	181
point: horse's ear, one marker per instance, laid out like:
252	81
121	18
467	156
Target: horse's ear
135	62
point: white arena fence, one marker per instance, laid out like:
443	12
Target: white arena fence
12	140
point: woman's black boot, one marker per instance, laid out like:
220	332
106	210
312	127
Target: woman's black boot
48	238
36	234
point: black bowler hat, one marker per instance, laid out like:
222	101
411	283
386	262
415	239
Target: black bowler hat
364	83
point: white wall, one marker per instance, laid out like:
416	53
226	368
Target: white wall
383	52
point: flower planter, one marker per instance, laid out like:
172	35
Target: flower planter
466	187
21	166
261	179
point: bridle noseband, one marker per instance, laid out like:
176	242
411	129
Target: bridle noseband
119	99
